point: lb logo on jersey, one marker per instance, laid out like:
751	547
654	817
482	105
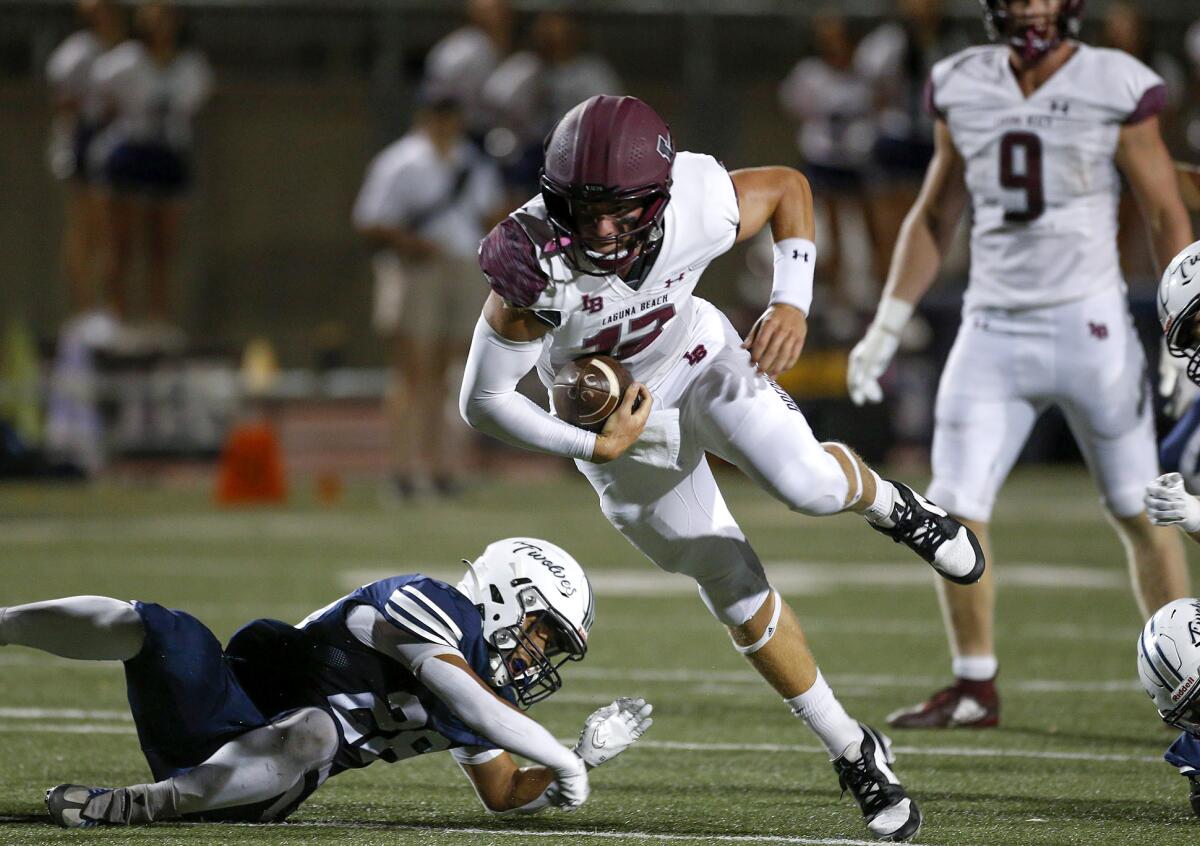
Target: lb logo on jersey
592	305
1099	331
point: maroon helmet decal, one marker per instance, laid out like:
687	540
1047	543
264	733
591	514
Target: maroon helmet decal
607	152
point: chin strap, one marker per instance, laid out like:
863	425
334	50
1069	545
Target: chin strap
768	633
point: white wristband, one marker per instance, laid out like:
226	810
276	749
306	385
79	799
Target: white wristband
893	315
795	261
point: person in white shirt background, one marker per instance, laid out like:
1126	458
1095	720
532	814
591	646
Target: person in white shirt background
427	200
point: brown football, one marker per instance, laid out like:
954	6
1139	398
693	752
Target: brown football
587	390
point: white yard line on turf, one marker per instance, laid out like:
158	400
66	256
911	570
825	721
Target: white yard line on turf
685	746
801	577
606	835
706	679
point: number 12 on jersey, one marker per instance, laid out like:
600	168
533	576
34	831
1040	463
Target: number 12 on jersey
1021	170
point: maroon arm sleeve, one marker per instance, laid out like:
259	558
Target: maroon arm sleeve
1153	101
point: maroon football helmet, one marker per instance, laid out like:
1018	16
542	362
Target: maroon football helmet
1031	44
607	155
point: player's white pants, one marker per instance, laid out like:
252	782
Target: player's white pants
1007	367
676	516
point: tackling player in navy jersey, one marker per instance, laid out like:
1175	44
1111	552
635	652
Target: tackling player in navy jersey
400	667
1169	646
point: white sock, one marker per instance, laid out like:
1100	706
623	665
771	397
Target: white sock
975	667
822	713
141	803
879	511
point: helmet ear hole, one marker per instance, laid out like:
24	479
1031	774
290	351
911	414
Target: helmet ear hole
496	596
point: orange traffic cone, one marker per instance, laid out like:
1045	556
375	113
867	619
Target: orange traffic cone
251	468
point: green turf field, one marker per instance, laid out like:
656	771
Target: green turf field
1077	760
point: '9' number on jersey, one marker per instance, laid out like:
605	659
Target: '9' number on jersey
1021	170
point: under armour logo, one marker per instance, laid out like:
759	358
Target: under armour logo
796	254
678	278
592	304
1060	106
696	355
1099	330
664	147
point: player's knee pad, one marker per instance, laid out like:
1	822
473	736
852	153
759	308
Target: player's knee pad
735	595
768	632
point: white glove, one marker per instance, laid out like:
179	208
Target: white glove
1168	504
610	730
872	355
572	785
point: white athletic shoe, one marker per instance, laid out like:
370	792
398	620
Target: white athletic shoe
890	813
929	531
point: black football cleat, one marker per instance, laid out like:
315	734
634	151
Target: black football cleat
927	530
888	810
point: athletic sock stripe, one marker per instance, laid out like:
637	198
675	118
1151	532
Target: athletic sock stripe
416	628
409	589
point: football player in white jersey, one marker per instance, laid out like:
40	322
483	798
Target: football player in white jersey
1033	130
605	260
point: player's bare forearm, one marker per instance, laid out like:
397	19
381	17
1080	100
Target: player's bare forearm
1143	158
779	196
930	224
503	786
1189	185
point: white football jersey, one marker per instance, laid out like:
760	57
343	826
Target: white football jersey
648	329
1040	169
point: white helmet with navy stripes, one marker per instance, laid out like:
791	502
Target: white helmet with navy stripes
1169	663
518	577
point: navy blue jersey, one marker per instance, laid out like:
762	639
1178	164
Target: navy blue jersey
1180	451
382	709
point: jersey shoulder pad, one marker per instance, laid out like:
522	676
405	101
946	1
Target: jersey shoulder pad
704	204
963	76
434	611
508	258
1130	87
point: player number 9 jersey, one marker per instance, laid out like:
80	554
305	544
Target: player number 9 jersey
1044	187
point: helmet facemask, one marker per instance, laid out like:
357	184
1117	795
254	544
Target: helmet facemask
1182	337
568	210
532	670
1032	36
